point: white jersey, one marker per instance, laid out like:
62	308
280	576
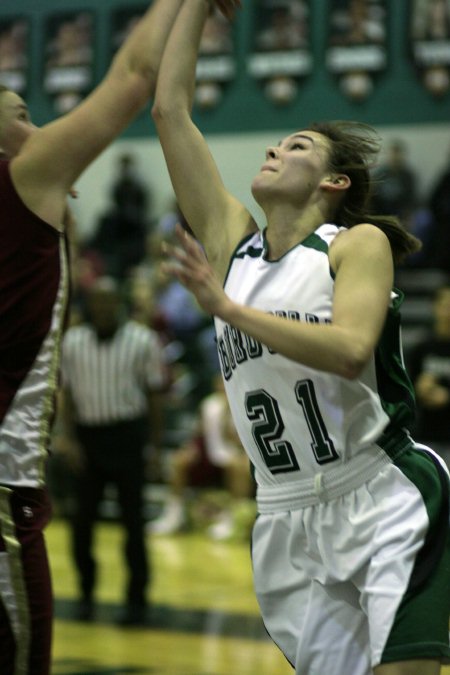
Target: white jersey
300	426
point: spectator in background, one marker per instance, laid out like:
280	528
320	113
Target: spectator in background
172	309
395	184
141	300
286	29
187	333
430	372
120	237
13	47
131	194
359	23
439	204
431	20
72	44
184	317
113	372
189	329
213	457
216	38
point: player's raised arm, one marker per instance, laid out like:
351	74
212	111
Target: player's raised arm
54	156
217	218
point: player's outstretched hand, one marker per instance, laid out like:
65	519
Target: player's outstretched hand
187	262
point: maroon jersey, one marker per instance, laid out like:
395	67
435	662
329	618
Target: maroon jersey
33	303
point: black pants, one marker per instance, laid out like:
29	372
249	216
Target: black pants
113	454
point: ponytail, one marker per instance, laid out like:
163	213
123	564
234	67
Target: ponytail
354	148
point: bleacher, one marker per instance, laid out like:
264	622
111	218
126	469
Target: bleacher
419	286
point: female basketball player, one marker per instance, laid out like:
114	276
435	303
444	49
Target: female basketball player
350	549
40	168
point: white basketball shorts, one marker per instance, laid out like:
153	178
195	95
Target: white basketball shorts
363	579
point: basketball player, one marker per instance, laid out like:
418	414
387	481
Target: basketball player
350	550
40	168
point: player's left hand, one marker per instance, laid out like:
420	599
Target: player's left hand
190	266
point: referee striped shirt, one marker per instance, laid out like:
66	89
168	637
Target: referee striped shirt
109	379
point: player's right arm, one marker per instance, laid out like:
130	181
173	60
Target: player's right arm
54	156
218	220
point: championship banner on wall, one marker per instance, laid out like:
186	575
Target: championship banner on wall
14	54
357	39
281	53
430	43
216	64
69	58
123	21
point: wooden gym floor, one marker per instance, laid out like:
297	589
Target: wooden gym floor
204	619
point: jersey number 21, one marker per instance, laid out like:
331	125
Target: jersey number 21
268	426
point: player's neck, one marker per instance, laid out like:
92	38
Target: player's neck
287	227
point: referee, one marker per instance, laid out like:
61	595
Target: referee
112	376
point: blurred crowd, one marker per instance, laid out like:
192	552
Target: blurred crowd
121	264
427	216
126	245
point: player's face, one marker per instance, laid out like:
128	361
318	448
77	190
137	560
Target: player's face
15	123
104	310
293	169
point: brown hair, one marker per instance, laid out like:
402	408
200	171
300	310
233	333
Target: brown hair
353	150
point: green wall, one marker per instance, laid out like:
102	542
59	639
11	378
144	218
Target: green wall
398	97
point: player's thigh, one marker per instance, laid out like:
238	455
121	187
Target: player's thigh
413	667
320	628
334	638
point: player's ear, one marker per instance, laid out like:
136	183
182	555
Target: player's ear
336	182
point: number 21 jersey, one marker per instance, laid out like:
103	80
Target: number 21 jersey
296	422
